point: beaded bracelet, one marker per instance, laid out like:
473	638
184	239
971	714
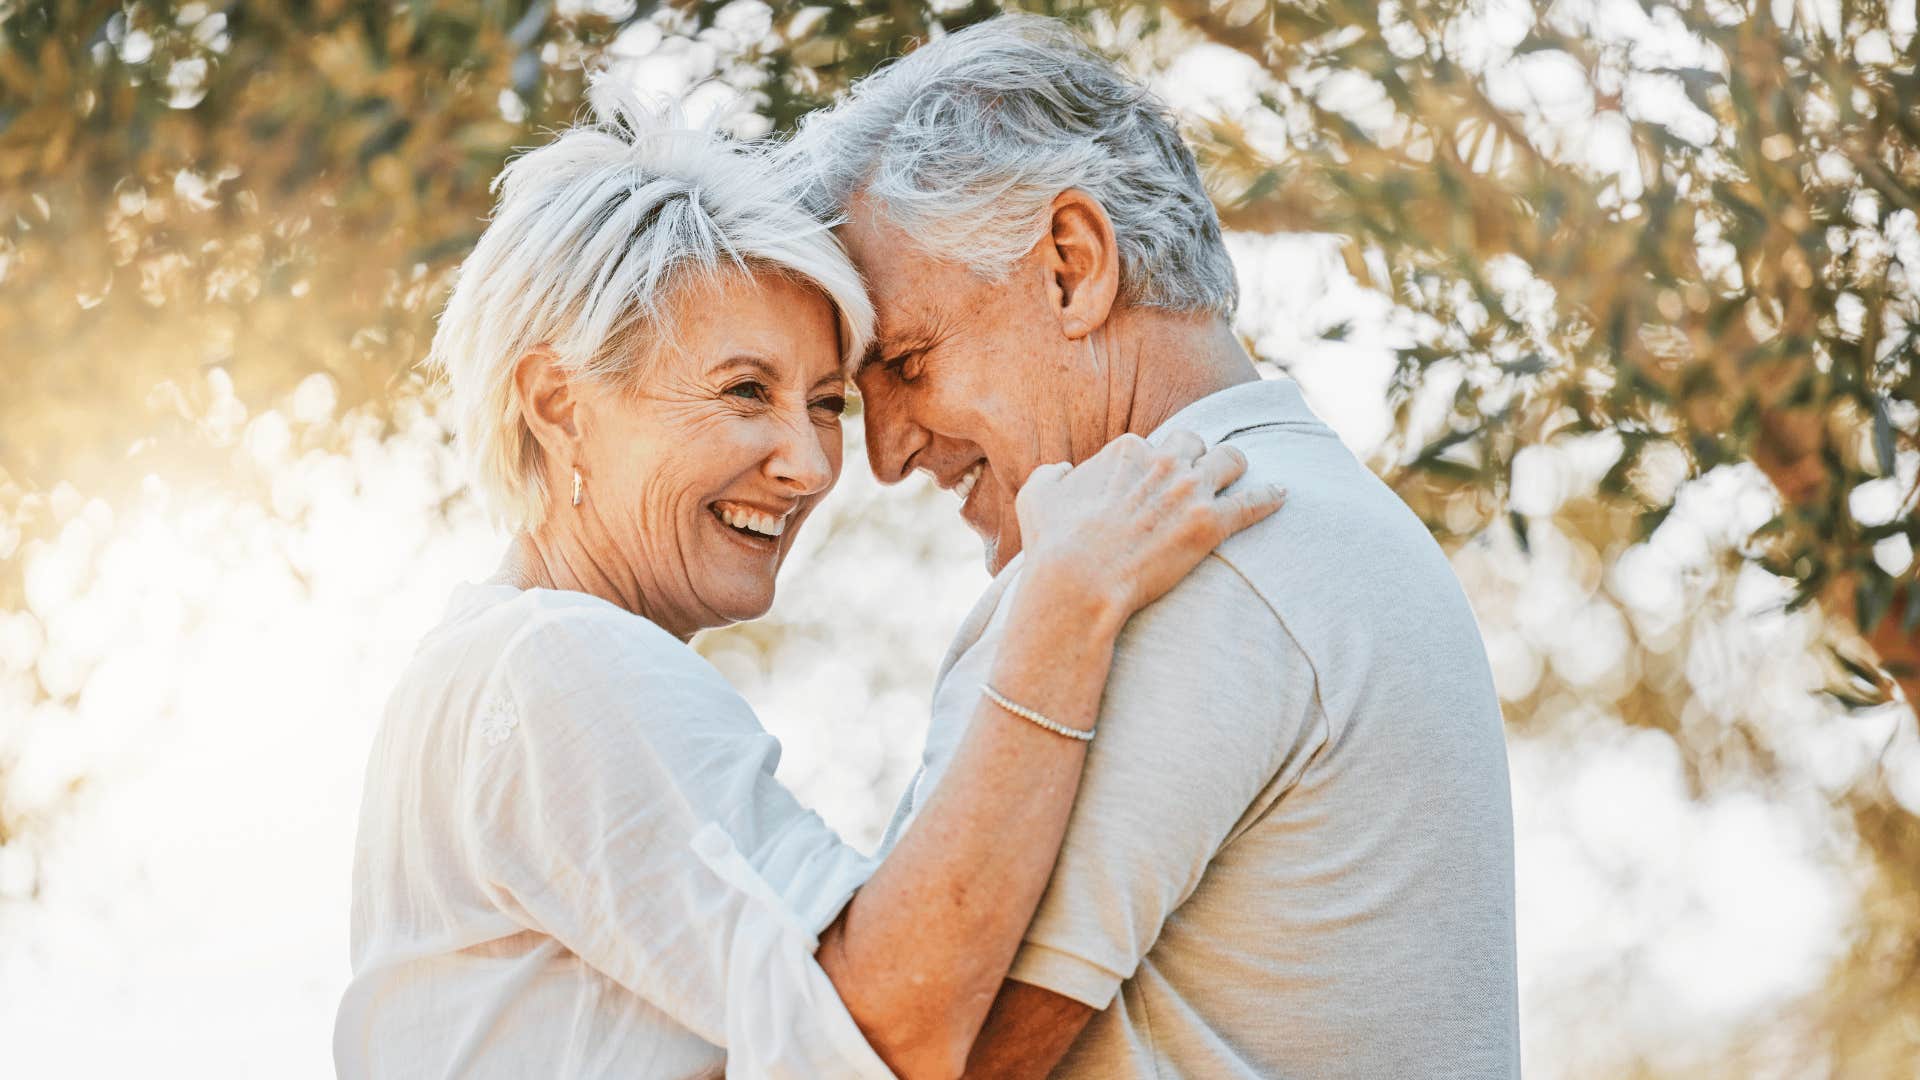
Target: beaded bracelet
1025	713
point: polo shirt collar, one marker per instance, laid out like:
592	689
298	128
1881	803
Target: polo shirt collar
1249	404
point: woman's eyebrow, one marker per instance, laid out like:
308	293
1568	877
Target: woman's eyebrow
761	364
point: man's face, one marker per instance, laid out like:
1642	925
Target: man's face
975	382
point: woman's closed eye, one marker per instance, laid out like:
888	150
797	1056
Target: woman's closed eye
830	406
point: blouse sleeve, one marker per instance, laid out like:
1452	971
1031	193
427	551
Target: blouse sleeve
621	800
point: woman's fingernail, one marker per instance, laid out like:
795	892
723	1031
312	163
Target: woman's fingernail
1279	493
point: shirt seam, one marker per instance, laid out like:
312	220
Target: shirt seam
1313	427
1146	1024
1035	950
1319	702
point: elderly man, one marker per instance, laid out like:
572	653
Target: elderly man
1310	873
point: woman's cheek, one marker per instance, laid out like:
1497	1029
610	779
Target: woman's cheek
833	442
664	498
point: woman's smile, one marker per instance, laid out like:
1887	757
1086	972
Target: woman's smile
764	524
759	529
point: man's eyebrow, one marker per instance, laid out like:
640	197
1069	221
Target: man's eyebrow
892	339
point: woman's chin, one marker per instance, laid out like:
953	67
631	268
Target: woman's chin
742	604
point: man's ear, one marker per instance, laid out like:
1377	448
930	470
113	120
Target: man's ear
548	403
1082	263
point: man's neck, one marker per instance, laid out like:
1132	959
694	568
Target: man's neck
1162	362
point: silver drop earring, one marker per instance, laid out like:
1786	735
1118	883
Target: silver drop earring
576	487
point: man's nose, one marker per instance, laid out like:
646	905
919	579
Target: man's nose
892	439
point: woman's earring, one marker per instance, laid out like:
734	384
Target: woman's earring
576	487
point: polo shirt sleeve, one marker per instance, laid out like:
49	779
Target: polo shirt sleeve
1208	715
620	799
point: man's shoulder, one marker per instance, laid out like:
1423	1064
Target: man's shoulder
1341	527
1214	621
1330	493
1349	571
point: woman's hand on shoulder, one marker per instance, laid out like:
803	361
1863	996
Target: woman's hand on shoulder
1130	522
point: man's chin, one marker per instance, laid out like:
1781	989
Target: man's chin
998	552
990	527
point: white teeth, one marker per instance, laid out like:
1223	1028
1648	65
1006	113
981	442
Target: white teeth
965	487
752	520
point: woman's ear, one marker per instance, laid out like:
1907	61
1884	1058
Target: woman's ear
1082	263
548	403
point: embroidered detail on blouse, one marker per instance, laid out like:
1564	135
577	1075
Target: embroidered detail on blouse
497	720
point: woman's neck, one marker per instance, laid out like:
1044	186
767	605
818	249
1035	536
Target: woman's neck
547	559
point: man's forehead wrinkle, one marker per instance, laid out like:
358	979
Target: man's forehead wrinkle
896	327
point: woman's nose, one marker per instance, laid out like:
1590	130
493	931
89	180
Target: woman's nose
800	459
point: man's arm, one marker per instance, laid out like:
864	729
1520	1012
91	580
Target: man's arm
1210	708
1026	1034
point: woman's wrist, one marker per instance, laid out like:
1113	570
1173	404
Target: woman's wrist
1076	594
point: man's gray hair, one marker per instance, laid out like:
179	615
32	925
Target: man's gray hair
595	236
966	141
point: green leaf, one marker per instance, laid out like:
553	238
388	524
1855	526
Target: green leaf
1615	482
1530	364
1535	42
1808	588
1882	435
1651	521
1871	599
1855	668
1441	468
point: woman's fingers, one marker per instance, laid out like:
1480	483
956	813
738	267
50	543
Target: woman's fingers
1184	446
1039	481
1221	466
1244	508
1144	514
1050	471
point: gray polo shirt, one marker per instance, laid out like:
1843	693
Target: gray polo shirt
1292	851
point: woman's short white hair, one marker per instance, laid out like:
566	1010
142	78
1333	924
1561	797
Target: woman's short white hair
966	141
595	236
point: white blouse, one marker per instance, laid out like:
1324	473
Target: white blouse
574	860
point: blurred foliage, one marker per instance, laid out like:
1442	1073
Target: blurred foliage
271	189
1730	291
266	189
1695	237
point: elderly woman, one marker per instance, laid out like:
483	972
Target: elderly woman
573	857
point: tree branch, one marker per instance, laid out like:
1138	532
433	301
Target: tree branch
1249	39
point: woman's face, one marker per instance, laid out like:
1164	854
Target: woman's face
700	477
